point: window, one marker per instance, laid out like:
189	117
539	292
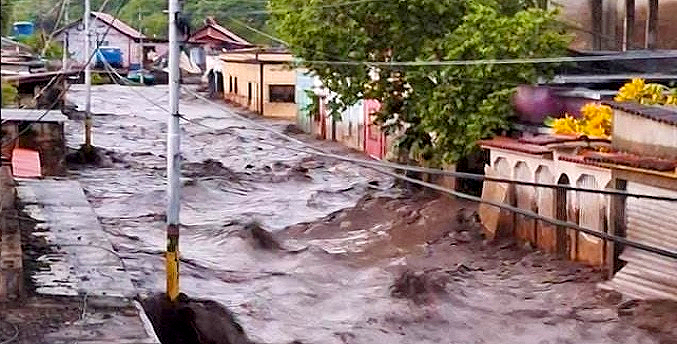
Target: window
281	93
230	84
235	87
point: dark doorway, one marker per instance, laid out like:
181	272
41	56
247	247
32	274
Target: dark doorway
561	201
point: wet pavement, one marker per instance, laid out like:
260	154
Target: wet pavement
331	282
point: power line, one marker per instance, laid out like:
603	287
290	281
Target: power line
538	60
389	165
560	223
61	76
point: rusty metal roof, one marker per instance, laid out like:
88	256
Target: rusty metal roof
663	114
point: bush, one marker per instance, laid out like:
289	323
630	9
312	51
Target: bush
9	94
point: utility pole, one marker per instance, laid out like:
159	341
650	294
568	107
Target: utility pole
64	58
141	52
173	156
88	77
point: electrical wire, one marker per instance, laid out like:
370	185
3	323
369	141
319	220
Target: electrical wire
389	165
559	223
538	60
530	214
61	76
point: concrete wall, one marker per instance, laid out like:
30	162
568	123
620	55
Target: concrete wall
642	136
131	50
250	73
45	137
586	209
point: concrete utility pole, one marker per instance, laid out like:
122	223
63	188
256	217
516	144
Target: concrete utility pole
173	156
88	76
64	58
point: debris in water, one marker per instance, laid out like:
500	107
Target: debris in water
208	168
193	321
418	286
263	238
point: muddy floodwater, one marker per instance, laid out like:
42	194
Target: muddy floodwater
347	237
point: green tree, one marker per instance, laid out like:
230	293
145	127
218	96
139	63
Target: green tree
440	111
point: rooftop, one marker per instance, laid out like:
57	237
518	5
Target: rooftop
663	114
32	115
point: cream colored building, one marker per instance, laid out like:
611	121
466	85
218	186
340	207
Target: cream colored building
260	80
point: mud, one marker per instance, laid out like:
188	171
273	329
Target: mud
354	240
35	318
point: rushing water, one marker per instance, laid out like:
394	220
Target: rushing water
231	177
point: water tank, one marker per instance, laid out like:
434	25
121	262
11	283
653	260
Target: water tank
22	28
113	55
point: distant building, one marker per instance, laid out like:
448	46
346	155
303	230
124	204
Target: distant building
130	41
619	24
260	80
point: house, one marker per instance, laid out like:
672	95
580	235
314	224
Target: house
211	39
620	24
130	41
261	81
641	158
205	45
41	132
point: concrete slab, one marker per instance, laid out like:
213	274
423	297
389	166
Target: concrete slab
82	264
83	260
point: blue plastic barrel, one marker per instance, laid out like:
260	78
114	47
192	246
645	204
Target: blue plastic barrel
22	28
113	55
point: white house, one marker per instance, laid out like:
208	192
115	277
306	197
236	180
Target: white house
120	35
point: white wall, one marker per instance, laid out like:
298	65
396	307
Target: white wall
76	43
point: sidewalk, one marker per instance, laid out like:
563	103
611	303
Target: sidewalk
81	268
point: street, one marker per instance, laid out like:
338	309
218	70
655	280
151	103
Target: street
359	260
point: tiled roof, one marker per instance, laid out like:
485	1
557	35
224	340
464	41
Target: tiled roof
539	145
631	160
663	114
118	25
513	144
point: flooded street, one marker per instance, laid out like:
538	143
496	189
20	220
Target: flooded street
347	236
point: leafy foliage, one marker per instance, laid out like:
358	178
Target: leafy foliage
40	43
9	94
44	13
439	112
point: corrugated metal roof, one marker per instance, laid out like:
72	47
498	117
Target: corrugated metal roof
32	115
648	275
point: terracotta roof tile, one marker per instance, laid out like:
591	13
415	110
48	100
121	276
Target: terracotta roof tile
663	114
631	160
516	145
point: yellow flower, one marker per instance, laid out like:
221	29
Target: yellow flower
632	91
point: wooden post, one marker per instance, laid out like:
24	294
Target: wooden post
629	24
617	227
652	25
597	16
561	213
